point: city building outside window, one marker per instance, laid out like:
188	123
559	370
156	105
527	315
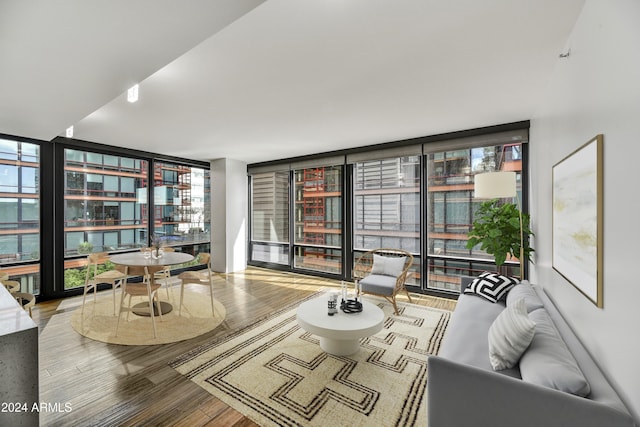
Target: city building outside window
104	202
107	207
20	213
318	219
451	206
386	207
417	196
182	207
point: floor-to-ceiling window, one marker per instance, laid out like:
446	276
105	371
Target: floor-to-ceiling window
386	207
63	199
415	195
182	213
105	207
270	217
451	206
318	219
20	212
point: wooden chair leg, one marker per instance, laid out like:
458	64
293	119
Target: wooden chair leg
153	318
407	291
213	310
84	297
113	286
120	313
395	306
166	284
181	296
129	307
88	289
157	298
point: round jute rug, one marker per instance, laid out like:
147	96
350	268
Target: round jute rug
99	323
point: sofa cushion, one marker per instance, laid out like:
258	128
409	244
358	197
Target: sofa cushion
548	362
466	339
378	284
510	335
387	265
526	291
491	286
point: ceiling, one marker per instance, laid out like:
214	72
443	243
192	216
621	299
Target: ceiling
257	80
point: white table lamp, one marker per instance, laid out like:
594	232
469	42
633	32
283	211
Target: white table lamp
495	185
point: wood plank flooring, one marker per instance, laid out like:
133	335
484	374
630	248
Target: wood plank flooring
113	385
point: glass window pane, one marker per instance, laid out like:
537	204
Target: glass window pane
277	254
94	158
387	204
30	247
9	181
127	239
96	240
318	218
31	210
73	239
110	241
8	213
20	215
111	183
74	155
451	205
30	152
96	210
127	185
182	203
8	247
127	163
8	149
270	207
30	182
318	259
110	160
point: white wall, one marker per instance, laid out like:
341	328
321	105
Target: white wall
228	215
597	90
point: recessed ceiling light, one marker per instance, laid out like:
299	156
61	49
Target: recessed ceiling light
132	94
69	132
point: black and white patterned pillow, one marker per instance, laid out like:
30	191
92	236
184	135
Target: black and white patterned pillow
491	286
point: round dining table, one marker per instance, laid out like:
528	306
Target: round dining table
136	261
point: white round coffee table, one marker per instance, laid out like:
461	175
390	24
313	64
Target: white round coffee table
339	334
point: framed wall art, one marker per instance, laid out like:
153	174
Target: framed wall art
577	218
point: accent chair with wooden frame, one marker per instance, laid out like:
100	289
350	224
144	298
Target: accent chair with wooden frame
143	289
12	286
383	272
92	279
165	274
200	277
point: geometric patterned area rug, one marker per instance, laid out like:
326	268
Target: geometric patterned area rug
275	373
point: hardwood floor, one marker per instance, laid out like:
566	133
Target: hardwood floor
107	385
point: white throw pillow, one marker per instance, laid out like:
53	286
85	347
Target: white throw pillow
378	264
388	266
510	335
525	291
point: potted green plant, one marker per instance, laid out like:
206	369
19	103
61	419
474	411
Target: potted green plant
499	228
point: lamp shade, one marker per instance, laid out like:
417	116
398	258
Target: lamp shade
495	185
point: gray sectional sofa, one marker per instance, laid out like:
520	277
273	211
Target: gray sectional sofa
464	390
